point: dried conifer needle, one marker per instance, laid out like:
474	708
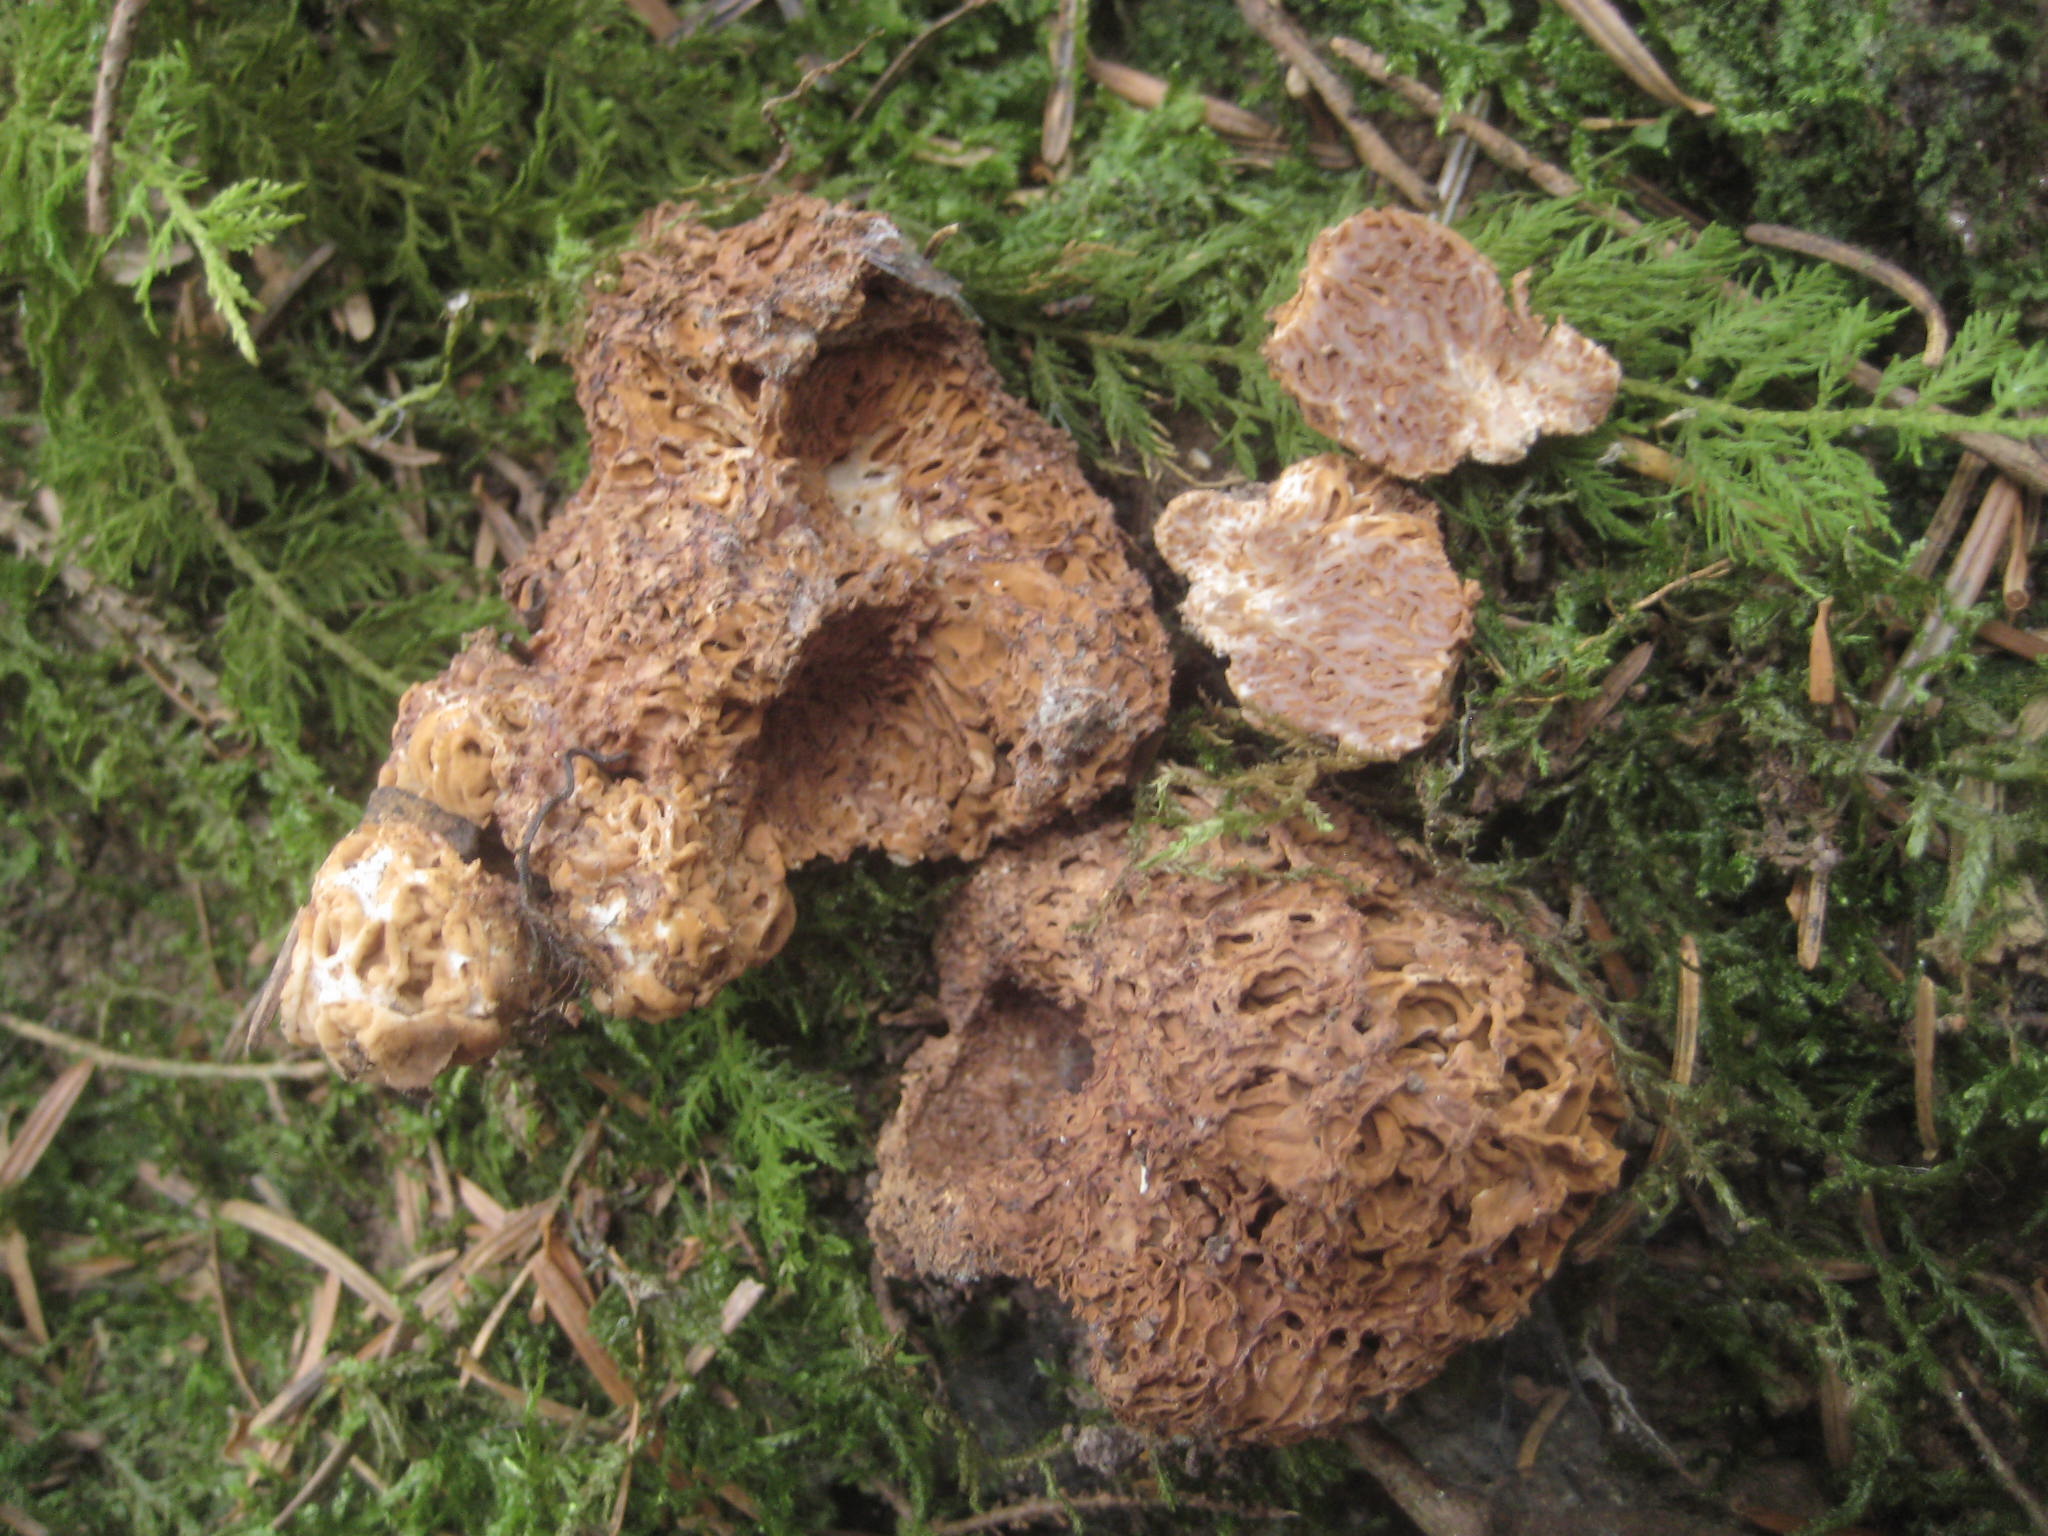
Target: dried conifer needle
1965	584
1494	144
1685	1047
1150	92
1291	43
1056	133
2025	643
1615	38
1820	657
310	1245
1923	1069
52	1109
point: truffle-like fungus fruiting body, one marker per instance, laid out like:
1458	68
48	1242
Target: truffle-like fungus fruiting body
1399	346
1284	1137
409	956
1330	594
826	588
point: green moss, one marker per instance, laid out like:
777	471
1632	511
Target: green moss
472	169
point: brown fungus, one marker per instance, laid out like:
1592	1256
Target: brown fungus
1399	346
1283	1138
827	587
1330	594
409	957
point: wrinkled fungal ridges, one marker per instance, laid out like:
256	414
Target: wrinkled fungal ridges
1283	1140
826	588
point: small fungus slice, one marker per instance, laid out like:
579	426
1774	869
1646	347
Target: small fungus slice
1330	594
1283	1140
826	588
1399	346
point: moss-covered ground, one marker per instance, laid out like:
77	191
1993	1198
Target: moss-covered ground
242	511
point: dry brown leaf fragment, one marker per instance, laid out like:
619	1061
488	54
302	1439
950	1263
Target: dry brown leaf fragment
1400	346
1330	594
1283	1140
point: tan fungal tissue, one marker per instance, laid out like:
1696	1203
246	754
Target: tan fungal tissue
1331	596
1398	345
1284	1134
826	588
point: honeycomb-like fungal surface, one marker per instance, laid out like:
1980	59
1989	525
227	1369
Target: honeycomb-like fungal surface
1399	346
1330	595
409	957
1284	1135
827	587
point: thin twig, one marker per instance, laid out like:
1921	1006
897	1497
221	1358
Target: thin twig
1436	1509
1966	579
115	615
1864	264
1494	144
2002	1469
2010	637
156	1066
1056	132
1150	92
113	65
1032	1511
887	80
1712	571
1288	40
187	478
774	104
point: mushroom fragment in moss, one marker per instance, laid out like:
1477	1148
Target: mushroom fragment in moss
826	588
1284	1140
1330	595
1398	345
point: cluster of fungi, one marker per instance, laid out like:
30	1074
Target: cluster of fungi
1283	1132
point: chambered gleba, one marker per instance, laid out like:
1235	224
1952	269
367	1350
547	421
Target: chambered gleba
1284	1134
826	588
1329	592
1399	346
